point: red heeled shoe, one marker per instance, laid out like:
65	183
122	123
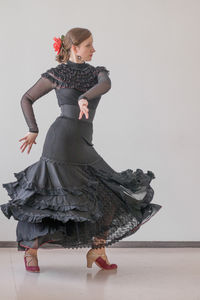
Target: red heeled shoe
30	268
99	261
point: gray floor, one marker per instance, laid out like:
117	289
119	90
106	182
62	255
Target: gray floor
143	273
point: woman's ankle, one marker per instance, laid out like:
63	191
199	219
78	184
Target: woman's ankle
98	246
31	251
99	250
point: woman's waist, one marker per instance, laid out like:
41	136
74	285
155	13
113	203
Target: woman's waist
73	111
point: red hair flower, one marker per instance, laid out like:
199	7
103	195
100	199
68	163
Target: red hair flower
58	44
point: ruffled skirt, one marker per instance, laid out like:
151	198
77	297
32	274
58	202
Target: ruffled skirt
73	198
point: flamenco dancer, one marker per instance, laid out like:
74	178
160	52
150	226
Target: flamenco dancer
71	196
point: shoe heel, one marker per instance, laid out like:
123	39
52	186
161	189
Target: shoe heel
90	261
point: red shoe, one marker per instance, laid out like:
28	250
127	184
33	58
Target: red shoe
99	261
30	268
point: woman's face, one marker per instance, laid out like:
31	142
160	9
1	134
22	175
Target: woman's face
86	49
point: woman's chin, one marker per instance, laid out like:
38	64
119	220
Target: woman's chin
88	58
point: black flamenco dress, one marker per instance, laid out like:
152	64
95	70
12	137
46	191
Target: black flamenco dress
71	196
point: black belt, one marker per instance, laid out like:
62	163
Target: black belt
73	111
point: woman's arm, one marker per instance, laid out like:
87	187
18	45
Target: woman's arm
102	87
39	89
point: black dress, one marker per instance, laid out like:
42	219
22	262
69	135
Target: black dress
71	196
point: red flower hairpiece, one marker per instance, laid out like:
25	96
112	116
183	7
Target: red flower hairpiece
58	43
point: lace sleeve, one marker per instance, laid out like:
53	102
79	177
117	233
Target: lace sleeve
39	89
102	87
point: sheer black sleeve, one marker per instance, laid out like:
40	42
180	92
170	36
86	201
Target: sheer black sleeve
102	87
39	89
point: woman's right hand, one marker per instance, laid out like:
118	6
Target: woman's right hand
29	141
83	105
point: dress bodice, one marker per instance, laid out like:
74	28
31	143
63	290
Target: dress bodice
71	82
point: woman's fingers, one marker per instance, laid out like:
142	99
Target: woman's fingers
23	145
22	139
80	114
84	110
29	148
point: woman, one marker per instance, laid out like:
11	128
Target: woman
71	196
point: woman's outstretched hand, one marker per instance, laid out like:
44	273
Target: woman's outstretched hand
83	103
29	141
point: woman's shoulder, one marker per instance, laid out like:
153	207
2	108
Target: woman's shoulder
64	67
63	75
99	69
102	69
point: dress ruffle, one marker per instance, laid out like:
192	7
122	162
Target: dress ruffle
65	76
94	201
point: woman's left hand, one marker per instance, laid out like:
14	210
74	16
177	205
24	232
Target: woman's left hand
83	103
29	141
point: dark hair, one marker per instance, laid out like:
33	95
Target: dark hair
74	36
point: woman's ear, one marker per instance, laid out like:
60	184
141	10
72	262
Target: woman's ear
75	48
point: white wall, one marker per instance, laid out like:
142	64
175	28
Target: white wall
150	117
